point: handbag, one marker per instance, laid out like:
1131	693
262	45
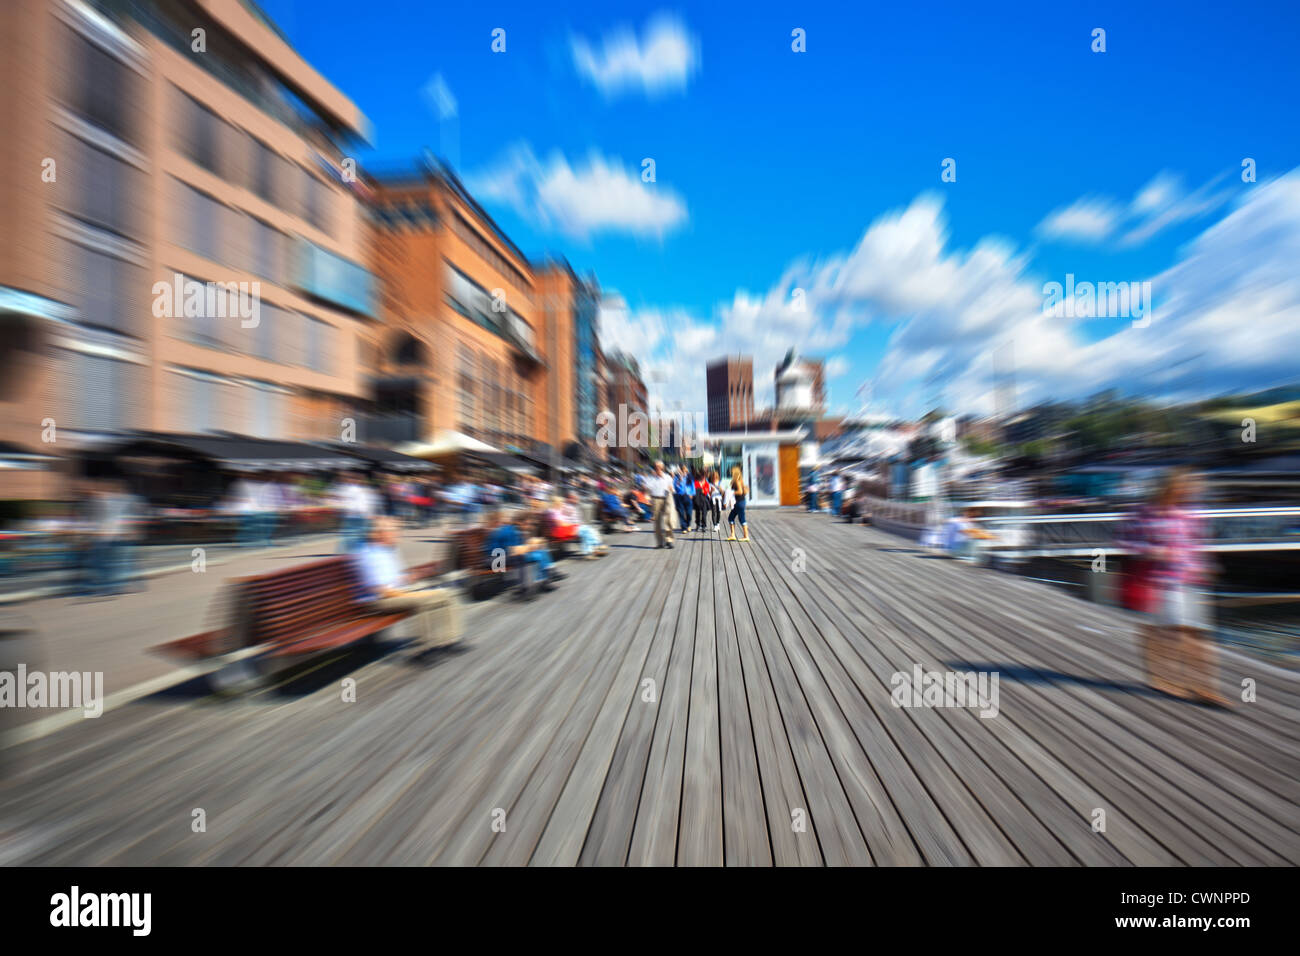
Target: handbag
1137	588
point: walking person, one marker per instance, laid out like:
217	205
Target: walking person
728	503
659	486
837	494
683	493
1164	582
702	495
739	489
715	499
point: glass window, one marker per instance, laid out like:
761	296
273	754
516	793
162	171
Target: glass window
263	173
197	131
110	290
102	88
199	216
106	189
99	391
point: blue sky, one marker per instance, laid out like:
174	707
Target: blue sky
820	171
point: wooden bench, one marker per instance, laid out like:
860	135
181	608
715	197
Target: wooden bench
292	612
473	564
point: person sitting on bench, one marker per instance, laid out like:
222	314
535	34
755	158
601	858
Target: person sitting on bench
614	508
570	515
505	541
436	610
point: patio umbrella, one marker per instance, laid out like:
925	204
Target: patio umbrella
447	442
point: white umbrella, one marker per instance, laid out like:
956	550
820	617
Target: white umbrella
446	442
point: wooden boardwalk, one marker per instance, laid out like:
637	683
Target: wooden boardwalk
771	666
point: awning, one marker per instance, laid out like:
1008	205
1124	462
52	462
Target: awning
383	459
499	459
17	458
228	452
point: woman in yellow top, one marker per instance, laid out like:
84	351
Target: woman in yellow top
738	510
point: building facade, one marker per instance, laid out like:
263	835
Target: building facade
800	385
185	254
627	396
459	344
730	393
572	385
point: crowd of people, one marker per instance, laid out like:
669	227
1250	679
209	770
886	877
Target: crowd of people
1164	580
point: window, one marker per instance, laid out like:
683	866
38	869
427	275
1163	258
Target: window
110	288
334	279
305	194
315	200
318	334
467	410
106	189
270	326
102	88
197	131
263	171
198	217
266	251
234	146
98	391
203	404
236	247
265	410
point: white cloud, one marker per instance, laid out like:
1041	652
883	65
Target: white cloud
1086	220
598	196
438	96
664	59
1161	203
1226	316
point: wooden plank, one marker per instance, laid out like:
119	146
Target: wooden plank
838	831
936	760
746	841
610	837
658	814
783	789
566	831
1043	720
700	831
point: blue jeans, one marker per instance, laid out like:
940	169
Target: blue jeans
737	513
353	529
106	566
256	528
542	559
684	509
588	539
837	499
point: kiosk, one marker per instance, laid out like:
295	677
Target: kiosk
769	460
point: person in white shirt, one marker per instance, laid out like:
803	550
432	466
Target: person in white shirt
837	493
659	486
248	501
436	611
357	503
